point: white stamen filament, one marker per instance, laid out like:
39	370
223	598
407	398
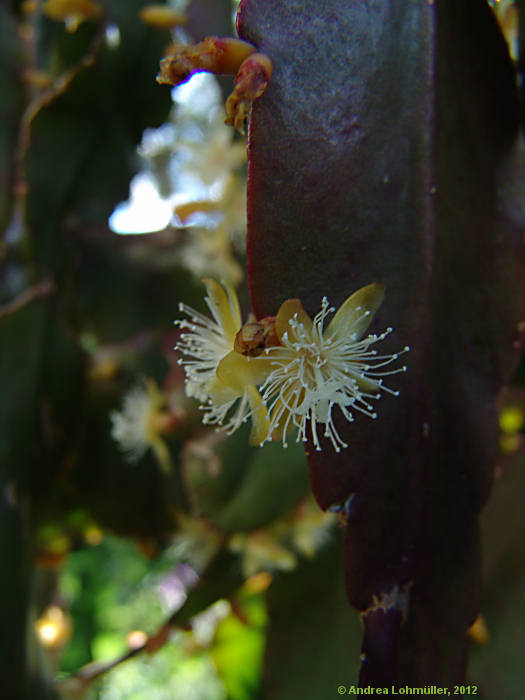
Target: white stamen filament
312	373
207	345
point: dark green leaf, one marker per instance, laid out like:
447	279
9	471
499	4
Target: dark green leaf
273	482
82	142
495	666
313	629
10	107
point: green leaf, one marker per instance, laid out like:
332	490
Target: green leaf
23	461
273	482
21	333
242	488
78	154
313	635
238	649
495	666
87	132
213	470
10	108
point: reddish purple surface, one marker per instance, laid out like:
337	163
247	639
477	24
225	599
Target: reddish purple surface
374	156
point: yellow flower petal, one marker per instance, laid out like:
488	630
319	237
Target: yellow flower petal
224	306
367	386
259	416
239	371
162	453
156	396
288	310
240	374
221	393
350	318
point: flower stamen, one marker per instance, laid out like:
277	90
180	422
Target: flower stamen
320	366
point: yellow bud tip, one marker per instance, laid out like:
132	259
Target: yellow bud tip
213	55
162	17
478	632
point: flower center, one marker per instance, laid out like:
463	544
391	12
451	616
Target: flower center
311	374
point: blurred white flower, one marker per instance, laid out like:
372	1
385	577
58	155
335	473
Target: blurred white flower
140	423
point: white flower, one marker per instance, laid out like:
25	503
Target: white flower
317	368
210	252
214	158
206	343
137	427
208	339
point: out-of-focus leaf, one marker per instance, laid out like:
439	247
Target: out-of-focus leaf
243	488
10	107
21	451
375	156
220	579
273	482
41	407
144	297
146	500
111	589
495	666
59	50
80	154
213	468
313	628
300	604
86	135
19	444
39	425
15	588
238	649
